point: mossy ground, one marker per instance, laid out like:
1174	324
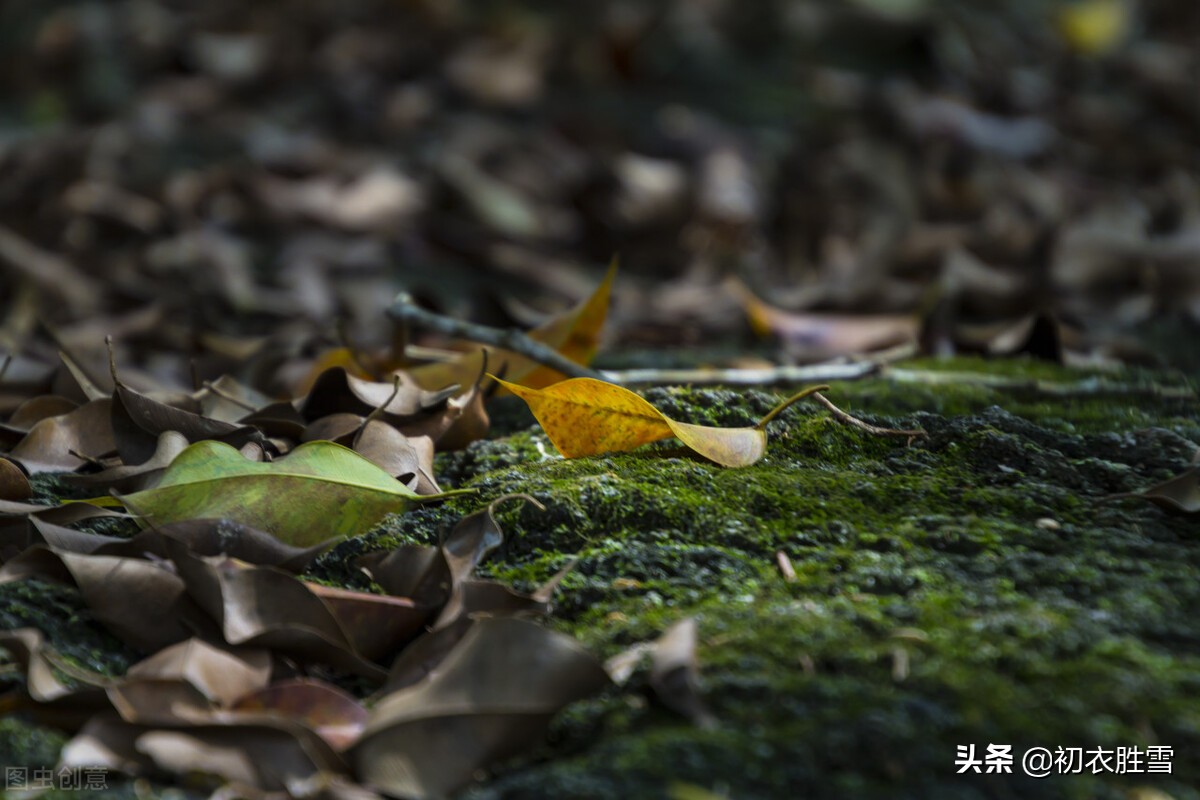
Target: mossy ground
975	586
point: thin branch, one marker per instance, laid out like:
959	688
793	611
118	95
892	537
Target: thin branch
403	309
815	373
855	422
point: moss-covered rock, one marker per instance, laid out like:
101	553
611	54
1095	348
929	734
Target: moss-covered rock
975	586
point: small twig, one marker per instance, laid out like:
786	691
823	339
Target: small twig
378	410
404	309
855	422
112	363
224	395
786	404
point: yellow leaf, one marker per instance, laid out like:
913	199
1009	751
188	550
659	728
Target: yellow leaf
574	333
584	417
1093	27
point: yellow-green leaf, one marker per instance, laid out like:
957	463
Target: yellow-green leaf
584	417
318	491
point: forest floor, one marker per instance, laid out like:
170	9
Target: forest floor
976	586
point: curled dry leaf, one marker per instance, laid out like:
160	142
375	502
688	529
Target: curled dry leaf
133	477
36	409
16	538
490	698
376	625
138	422
397	454
141	602
822	335
39	664
337	391
271	754
1180	494
265	607
584	417
13	483
318	491
227	400
52	444
182	683
328	711
675	672
64	514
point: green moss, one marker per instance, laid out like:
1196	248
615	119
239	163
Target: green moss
973	586
60	613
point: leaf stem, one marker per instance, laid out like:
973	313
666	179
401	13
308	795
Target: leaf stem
779	409
855	422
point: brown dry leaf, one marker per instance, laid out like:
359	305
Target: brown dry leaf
79	382
397	454
51	444
491	697
228	400
328	711
206	537
16	538
266	607
337	391
340	428
584	417
109	742
13	483
182	684
471	424
816	336
415	571
377	625
126	478
675	673
138	421
212	537
462	417
141	602
62	514
48	699
1180	494
271	754
36	409
280	419
472	539
40	665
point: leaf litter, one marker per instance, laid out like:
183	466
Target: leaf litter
223	691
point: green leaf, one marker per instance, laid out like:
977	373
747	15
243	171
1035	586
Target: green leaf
318	491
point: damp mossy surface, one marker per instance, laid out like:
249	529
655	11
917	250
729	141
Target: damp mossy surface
975	586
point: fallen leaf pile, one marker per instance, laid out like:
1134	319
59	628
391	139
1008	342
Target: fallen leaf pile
234	638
